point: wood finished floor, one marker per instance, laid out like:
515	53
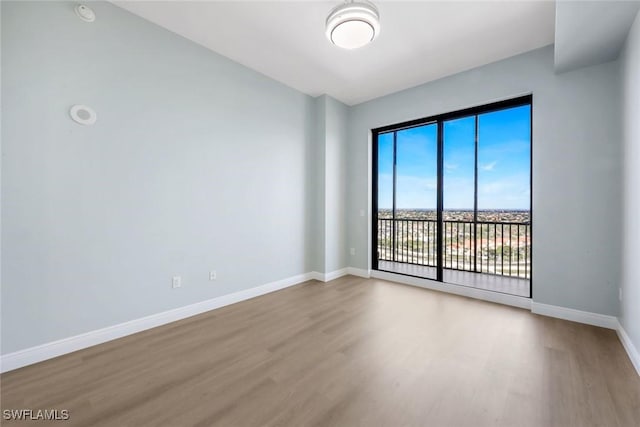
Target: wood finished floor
351	352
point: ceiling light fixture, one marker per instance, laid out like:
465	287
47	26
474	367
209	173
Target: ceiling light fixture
353	24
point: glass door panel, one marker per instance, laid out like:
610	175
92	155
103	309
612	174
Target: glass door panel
386	154
504	199
459	195
416	199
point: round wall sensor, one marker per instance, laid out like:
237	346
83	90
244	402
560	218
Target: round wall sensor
85	13
83	115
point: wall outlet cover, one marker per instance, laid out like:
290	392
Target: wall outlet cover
176	282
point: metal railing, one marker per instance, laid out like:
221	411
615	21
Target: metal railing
501	248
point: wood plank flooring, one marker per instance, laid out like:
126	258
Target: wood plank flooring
351	352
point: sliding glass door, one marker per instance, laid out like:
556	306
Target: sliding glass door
459	190
452	197
407	200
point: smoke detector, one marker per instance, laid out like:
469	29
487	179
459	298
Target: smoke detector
85	13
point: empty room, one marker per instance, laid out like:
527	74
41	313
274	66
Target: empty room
320	213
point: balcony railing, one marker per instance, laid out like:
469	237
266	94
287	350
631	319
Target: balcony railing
501	248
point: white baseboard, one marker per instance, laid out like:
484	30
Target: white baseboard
631	349
335	274
18	359
332	275
466	291
317	276
595	319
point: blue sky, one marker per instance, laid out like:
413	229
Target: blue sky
503	163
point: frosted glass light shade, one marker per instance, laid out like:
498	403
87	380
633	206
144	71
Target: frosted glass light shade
353	25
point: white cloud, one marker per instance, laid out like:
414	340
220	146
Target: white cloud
489	166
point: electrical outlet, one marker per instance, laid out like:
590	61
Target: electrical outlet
361	212
176	282
352	251
620	294
213	275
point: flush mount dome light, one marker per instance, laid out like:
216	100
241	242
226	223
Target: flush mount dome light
353	24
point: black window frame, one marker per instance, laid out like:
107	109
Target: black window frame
439	119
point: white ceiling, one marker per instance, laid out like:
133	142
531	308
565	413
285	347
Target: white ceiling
593	32
419	41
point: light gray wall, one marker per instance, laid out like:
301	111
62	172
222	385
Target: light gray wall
1	151
195	163
335	185
630	67
319	165
608	23
330	215
576	177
